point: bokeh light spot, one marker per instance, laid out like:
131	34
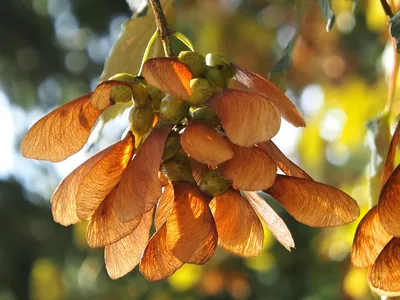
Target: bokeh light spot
346	22
186	277
337	154
76	62
332	125
312	99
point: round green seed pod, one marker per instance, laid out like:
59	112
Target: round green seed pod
222	63
205	114
140	94
195	61
125	77
122	93
172	146
172	109
215	76
141	119
202	90
212	183
178	168
156	96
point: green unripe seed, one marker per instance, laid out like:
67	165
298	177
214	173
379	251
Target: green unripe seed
141	119
222	63
172	109
205	114
215	76
178	168
122	93
156	96
195	61
140	94
228	72
125	77
172	146
216	59
202	90
212	183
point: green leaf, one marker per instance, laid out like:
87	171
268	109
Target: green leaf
395	29
329	16
126	55
285	62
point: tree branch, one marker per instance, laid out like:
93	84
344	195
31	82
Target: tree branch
387	9
164	31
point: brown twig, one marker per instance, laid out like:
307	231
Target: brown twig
162	26
386	7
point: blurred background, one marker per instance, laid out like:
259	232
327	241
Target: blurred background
52	51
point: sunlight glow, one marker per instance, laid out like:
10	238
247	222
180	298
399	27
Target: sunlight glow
287	138
312	99
67	166
332	125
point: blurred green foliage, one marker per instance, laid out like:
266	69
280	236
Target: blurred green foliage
53	51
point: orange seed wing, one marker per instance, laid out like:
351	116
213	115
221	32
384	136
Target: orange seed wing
204	144
264	87
246	117
140	187
191	233
103	177
168	75
122	256
157	261
369	240
63	201
312	203
101	95
388	204
62	132
250	169
164	206
104	228
384	275
273	221
238	227
285	164
389	163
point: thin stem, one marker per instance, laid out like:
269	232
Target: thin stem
162	26
184	39
386	7
147	50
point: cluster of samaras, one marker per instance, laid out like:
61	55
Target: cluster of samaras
376	244
194	157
